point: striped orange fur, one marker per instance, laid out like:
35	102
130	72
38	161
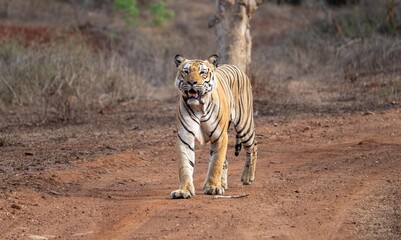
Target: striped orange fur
211	98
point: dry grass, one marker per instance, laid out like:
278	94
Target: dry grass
63	77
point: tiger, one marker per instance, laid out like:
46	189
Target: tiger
211	98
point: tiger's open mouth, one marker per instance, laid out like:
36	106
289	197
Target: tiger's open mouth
193	94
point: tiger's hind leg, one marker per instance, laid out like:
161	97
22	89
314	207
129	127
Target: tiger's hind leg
248	174
246	139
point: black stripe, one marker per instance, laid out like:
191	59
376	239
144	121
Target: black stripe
244	127
191	163
233	72
185	143
225	74
239	117
239	104
211	113
250	137
192	111
211	134
250	145
179	117
191	115
208	106
243	135
218	137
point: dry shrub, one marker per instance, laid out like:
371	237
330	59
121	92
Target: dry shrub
327	60
63	77
373	56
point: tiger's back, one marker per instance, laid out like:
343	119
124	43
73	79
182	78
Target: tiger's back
240	88
242	103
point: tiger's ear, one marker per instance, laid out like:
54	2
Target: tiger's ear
214	59
178	59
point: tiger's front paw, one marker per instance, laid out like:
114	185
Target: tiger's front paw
181	193
213	190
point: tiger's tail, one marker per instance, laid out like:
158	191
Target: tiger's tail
238	146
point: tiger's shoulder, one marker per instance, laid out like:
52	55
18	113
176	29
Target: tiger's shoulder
230	74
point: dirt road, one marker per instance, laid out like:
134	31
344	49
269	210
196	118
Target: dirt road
109	177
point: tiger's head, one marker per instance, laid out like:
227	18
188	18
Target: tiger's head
195	78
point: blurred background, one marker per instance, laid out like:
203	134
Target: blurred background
62	59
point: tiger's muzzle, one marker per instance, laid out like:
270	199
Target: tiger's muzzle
192	94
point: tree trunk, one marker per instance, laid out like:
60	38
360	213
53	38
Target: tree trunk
234	42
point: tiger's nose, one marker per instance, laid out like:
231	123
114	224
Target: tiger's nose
192	82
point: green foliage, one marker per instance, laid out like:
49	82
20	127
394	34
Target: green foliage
160	13
131	11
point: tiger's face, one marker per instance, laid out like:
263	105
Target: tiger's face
195	78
